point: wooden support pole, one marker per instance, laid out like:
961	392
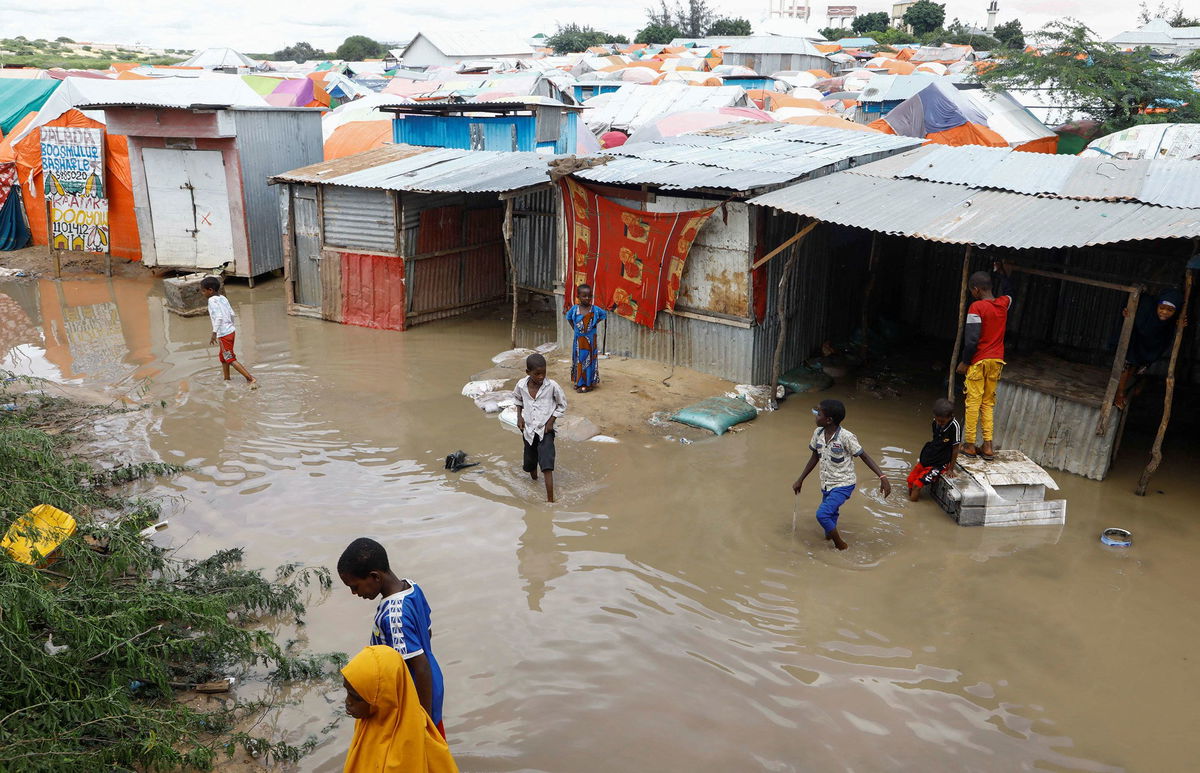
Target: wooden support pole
962	318
1156	450
866	309
1114	378
800	235
512	267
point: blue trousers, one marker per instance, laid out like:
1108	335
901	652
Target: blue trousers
831	501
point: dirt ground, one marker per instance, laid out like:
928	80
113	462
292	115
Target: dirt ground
39	261
633	396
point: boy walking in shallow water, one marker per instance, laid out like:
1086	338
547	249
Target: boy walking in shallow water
540	401
835	448
221	314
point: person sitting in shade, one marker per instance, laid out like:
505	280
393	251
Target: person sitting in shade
585	319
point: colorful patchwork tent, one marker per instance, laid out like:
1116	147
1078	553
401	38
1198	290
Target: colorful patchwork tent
944	114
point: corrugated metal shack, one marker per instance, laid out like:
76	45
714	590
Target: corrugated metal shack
520	124
1081	232
723	323
200	173
767	54
401	235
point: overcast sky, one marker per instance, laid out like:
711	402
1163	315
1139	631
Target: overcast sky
264	27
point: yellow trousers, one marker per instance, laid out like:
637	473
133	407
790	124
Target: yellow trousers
982	378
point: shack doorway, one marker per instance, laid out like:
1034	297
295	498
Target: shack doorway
189	207
307	232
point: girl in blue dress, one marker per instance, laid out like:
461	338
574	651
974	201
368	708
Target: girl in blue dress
585	319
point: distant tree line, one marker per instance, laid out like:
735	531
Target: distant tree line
355	48
927	20
690	19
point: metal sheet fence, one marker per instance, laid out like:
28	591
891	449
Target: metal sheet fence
709	347
535	239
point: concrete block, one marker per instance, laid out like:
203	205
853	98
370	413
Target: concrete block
183	295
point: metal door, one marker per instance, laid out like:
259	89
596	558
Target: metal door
308	246
189	207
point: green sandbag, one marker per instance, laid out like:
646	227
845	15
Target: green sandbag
803	379
716	414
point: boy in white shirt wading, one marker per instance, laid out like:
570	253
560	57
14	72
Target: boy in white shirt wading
540	401
835	448
221	314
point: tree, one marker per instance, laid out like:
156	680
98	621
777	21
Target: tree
1173	14
871	22
1096	78
893	36
727	27
301	52
691	20
359	47
832	33
657	33
925	16
63	40
573	38
1191	62
1010	34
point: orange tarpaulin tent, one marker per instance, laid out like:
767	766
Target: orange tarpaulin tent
357	136
124	241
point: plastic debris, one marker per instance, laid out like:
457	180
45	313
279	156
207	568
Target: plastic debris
53	649
475	389
150	530
547	347
603	439
512	354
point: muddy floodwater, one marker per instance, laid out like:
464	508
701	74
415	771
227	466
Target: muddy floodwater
663	616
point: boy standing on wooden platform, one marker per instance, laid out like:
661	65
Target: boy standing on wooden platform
983	357
835	448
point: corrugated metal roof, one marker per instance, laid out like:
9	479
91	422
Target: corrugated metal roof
634	105
958	214
456	42
773	44
1161	182
741	157
897	88
430	170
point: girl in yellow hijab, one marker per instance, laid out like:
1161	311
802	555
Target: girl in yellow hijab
392	733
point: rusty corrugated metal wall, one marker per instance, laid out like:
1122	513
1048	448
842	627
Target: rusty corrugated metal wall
453	253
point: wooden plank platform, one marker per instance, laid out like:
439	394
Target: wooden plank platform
1009	491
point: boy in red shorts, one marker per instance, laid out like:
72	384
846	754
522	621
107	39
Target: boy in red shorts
940	455
221	314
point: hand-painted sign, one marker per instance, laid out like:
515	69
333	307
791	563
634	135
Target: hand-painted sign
79	223
73	161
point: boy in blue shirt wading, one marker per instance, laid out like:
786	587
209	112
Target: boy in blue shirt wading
835	447
401	620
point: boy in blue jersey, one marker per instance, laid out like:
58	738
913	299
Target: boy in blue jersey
402	619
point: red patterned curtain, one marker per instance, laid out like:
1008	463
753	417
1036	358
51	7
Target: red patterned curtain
632	259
